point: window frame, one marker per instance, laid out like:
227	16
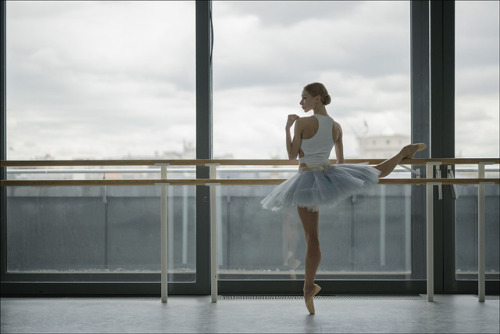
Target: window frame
432	102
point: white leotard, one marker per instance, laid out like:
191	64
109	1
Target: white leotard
317	149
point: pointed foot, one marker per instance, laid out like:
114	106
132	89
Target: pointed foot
413	149
310	301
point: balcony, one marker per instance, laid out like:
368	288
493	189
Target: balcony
106	231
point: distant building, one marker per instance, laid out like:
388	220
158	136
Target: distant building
381	146
188	152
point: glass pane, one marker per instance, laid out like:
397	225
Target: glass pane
266	52
368	236
108	229
466	228
100	79
477	79
476	108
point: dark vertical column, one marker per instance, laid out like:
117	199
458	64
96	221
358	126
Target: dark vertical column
3	137
448	144
204	147
420	108
442	78
420	125
442	97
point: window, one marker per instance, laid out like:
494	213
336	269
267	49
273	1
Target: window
265	52
476	129
100	79
477	79
95	80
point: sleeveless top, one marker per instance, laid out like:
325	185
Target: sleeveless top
317	148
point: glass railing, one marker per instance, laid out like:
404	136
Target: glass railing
115	229
466	225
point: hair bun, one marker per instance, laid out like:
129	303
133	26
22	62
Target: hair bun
316	89
326	100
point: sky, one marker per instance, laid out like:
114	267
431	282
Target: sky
97	80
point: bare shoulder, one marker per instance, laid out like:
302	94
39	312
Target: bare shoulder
307	119
336	131
336	126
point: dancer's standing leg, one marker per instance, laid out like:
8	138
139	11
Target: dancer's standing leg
309	221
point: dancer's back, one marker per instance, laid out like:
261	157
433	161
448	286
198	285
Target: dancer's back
316	149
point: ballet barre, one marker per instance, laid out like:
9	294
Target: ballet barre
432	168
229	162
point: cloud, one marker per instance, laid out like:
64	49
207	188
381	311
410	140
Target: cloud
103	79
259	60
477	79
477	49
477	33
278	13
98	74
249	52
477	122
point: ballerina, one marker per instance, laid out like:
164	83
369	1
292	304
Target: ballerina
318	182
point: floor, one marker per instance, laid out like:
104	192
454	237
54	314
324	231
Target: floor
334	314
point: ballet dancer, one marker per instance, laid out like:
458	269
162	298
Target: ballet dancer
317	182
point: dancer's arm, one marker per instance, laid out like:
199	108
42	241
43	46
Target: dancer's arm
293	145
339	146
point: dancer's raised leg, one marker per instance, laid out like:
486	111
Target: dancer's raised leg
406	152
309	221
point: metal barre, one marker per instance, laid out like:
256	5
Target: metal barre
225	182
229	162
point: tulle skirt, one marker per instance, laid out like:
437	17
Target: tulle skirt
317	186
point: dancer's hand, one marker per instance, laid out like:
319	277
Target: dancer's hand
291	119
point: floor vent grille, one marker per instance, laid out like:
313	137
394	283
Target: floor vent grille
337	297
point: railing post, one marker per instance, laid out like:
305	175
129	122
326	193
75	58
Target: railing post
430	228
382	225
164	234
213	231
407	230
481	249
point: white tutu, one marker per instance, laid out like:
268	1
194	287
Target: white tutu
312	187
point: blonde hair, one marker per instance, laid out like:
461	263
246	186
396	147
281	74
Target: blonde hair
316	89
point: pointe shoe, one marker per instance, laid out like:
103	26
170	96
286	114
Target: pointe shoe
420	147
309	301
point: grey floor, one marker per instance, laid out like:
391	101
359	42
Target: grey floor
336	314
